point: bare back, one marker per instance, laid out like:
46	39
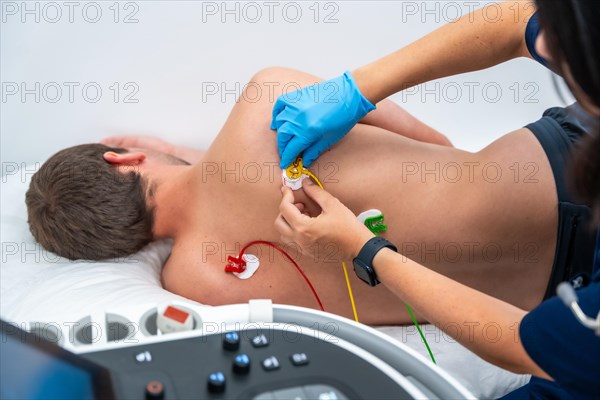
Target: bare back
486	219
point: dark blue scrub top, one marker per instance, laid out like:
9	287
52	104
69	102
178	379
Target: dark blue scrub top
531	34
563	348
551	334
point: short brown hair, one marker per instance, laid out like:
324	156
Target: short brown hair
81	207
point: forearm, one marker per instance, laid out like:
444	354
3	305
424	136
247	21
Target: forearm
442	301
492	325
392	117
474	42
388	114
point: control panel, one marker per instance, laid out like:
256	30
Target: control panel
261	364
254	351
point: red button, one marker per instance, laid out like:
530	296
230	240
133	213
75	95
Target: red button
176	314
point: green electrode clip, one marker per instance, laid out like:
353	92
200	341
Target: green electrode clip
373	219
376	225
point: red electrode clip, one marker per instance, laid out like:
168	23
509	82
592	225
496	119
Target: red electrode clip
235	264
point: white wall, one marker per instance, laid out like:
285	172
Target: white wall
175	49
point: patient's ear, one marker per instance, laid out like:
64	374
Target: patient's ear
134	158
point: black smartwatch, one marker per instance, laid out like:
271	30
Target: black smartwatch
363	263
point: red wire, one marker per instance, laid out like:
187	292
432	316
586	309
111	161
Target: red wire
289	258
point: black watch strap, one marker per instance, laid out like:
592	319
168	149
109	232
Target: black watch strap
368	252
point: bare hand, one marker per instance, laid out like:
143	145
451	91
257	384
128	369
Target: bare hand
336	223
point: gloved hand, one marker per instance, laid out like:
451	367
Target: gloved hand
312	119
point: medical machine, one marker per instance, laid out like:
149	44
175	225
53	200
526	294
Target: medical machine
257	351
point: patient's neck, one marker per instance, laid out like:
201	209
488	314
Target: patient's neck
171	199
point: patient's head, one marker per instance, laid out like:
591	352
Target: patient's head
91	201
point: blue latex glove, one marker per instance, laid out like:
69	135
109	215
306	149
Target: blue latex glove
312	119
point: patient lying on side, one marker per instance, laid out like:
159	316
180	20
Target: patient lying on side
479	226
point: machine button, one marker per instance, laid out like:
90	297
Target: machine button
216	382
231	341
241	364
174	319
155	390
323	392
264	396
143	357
270	363
299	359
260	341
294	393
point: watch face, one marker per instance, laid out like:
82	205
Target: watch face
362	271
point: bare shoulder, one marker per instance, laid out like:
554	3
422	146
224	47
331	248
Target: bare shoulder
199	275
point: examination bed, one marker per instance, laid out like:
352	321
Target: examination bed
41	290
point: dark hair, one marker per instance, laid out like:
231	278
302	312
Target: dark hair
572	33
80	206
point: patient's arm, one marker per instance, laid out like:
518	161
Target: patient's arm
390	116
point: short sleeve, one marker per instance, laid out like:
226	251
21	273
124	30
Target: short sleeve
531	34
563	347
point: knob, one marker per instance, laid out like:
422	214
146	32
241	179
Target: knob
216	383
155	390
231	341
241	364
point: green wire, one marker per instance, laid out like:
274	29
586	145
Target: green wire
414	320
375	225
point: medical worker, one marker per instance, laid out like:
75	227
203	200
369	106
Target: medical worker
550	343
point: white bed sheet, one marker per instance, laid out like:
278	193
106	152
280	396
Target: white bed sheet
36	285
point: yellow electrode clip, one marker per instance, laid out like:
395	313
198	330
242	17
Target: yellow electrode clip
295	173
292	178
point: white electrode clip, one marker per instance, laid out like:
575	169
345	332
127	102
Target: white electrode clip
294	184
252	265
373	219
373	213
293	175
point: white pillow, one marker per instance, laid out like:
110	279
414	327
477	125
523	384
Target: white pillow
37	285
481	378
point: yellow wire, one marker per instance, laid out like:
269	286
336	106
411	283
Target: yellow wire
314	177
350	292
